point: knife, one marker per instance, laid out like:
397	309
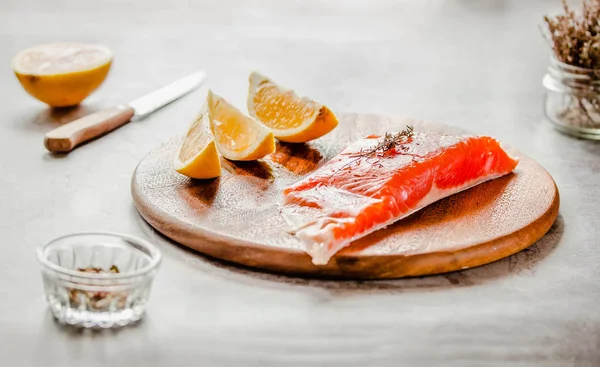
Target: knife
65	138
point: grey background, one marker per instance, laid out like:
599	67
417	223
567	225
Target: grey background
474	64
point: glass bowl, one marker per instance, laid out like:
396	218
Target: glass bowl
98	279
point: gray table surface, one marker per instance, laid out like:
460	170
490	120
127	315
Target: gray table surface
474	64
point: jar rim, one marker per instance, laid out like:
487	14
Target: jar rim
564	65
152	251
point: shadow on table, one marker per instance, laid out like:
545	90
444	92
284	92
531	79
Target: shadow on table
522	263
48	118
593	147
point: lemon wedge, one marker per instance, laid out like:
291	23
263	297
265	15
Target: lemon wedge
237	136
292	118
62	74
197	156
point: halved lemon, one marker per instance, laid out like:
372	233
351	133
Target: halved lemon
292	118
62	74
237	136
197	157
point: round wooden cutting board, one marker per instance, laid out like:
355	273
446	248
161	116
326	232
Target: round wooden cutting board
237	217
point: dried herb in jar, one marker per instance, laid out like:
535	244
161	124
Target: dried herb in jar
575	37
575	41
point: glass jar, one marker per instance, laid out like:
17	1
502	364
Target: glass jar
572	101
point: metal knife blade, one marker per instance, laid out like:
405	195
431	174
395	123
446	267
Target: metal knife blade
151	102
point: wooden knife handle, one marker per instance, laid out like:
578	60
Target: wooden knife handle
63	139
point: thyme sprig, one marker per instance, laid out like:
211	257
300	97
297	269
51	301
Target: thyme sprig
389	142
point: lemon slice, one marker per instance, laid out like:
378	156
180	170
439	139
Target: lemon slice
237	136
62	74
292	118
197	156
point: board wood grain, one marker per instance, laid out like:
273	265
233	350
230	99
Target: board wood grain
236	217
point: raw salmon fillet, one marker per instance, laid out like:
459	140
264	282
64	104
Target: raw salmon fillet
355	194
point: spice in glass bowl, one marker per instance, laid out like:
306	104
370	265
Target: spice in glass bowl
98	279
98	300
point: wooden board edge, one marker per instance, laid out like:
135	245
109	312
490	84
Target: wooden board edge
346	266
